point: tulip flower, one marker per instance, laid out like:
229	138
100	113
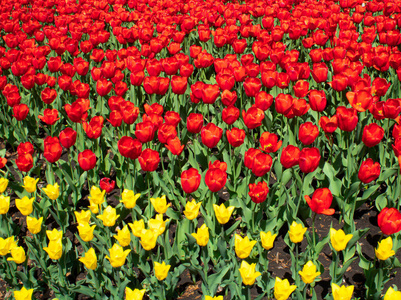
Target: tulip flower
129	147
202	235
216	176
54	249
4	204
30	184
194	123
54	235
338	239
134	294
392	295
89	259
211	135
385	249
23	294
161	270
309	159
308	273
87	160
222	213
117	256
157	225
83	216
34	225
137	227
321	201
290	156
248	273
369	171
149	160
3	184
148	239
86	231
192	209
343	292
109	216
6	245
190	180
129	198
18	255
160	204
258	192
106	184
372	135
52	191
253	117
25	205
389	220
267	239
283	289
96	195
296	232
214	298
243	246
269	142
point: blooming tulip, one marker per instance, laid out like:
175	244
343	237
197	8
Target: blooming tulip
222	213
109	216
129	198
192	209
321	201
369	171
30	184
123	236
117	255
4	204
157	224
134	294
86	231
283	289
23	294
296	232
34	225
54	249
96	195
83	216
25	205
308	273
190	180
343	292
248	273
202	235
161	270
258	192
17	255
389	220
137	227
338	239
243	246
385	249
267	239
52	191
89	259
3	184
160	204
148	239
392	295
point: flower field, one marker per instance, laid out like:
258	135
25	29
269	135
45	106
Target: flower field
147	143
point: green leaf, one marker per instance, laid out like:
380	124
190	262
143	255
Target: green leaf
335	183
215	279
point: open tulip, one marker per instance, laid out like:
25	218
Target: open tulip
258	192
283	289
161	270
389	220
157	224
248	273
96	195
129	198
192	209
202	235
308	273
109	216
54	249
137	227
343	292
123	236
267	239
117	255
243	246
385	249
222	213
134	294
321	201
17	255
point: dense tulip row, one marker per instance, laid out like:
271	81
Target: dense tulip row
146	138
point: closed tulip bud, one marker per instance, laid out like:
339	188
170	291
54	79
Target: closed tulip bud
134	294
190	180
52	191
392	295
87	160
109	216
283	289
192	209
83	216
343	292
30	184
54	249
309	159
52	149
267	239
160	204
129	198
123	236
17	255
148	239
369	171
222	213
161	270
34	225
296	232
194	123
89	259
149	160
243	246
338	239
137	227
3	184
202	235
248	273
372	135
23	294
4	204
86	231
216	177
68	137
385	249
157	225
25	205
117	256
389	220
96	195
308	273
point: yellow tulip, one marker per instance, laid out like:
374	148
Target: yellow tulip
192	209
34	225
54	249
385	249
161	270
160	204
30	184
83	217
4	204
52	191
96	195
308	273
243	246
86	231
267	239
117	256
343	292
248	273
202	235
89	259
214	298
296	232
23	294
25	205
392	295
3	184
93	207
222	213
338	239
137	227
109	216
54	235
129	198
148	239
18	255
157	224
123	236
134	294
283	289
6	245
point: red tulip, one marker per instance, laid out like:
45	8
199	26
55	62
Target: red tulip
20	111
3	162
87	160
145	131
216	176
129	147
50	116
301	88
149	160
372	135
283	103
269	142
290	156
48	95
317	100
94	129
67	137
360	100
24	162
252	86
103	87
235	137
211	135
261	164
25	148
369	171
389	220
194	123
321	201
190	180
309	159
250	156
308	133
258	192
230	115
328	125
107	184
52	149
172	118
347	118
174	145
166	132
263	100
228	98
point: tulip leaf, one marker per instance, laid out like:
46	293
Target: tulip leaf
83	290
216	279
335	183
